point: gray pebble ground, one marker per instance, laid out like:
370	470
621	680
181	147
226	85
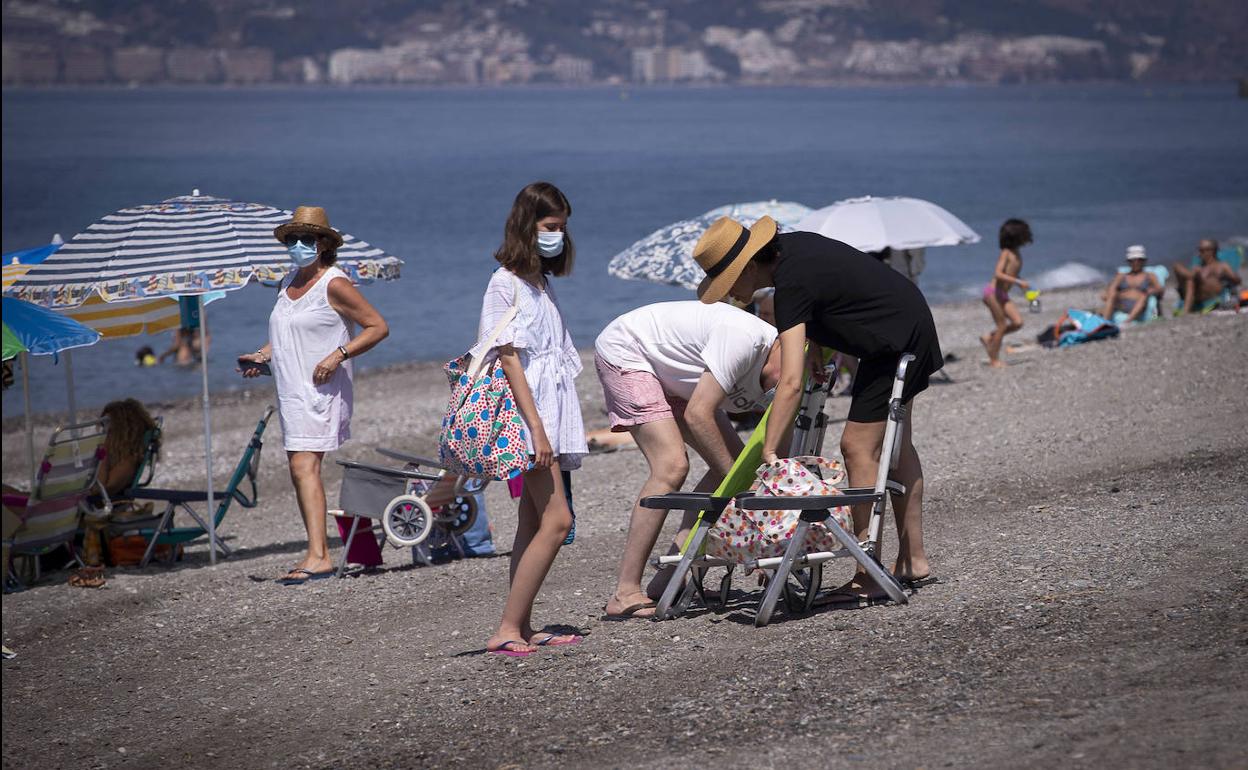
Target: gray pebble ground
1085	513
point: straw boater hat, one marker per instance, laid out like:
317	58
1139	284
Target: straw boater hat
725	249
1135	252
308	219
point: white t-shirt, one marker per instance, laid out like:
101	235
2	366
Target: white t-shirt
678	341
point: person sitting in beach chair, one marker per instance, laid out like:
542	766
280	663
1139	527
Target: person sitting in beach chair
670	374
1201	287
831	294
1133	296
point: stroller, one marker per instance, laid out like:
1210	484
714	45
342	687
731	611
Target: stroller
417	504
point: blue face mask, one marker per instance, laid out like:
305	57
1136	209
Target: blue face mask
550	245
301	253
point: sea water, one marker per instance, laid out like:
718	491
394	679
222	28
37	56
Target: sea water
429	175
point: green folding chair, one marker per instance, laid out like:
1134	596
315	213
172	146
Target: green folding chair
165	533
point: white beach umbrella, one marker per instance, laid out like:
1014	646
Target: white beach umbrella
873	224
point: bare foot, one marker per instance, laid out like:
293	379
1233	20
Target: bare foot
998	364
863	587
909	570
315	566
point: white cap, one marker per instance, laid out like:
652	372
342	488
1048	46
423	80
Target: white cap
1136	252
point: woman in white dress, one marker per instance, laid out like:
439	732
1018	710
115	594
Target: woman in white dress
309	349
541	363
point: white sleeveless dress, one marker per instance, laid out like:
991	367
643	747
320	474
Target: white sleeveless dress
315	418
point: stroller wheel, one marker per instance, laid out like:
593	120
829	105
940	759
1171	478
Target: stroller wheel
407	521
458	515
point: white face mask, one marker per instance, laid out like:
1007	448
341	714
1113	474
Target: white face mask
549	245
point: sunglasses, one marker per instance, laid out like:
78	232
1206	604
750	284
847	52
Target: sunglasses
306	239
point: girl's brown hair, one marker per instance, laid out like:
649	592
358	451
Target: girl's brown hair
128	422
519	250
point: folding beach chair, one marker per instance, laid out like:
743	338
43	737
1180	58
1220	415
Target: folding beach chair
50	513
807	439
164	533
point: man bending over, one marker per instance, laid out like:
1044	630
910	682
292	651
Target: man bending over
670	373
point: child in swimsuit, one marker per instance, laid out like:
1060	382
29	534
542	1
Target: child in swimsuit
1014	234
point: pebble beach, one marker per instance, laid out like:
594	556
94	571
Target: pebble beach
1084	512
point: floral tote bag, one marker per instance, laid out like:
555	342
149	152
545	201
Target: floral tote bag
483	433
741	536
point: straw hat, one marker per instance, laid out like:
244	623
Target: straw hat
725	249
308	219
1135	252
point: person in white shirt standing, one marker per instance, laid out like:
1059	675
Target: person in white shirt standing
670	374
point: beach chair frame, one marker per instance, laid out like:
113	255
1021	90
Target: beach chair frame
164	533
680	591
691	565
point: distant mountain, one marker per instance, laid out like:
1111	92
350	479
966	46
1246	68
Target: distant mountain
618	41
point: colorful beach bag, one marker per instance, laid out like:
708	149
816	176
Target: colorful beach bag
742	536
483	433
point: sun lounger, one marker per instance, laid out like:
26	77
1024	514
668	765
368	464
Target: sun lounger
164	533
49	515
691	564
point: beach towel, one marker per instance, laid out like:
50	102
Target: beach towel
1088	327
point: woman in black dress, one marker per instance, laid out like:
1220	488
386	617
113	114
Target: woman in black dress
833	295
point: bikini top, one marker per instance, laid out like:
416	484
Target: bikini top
1125	283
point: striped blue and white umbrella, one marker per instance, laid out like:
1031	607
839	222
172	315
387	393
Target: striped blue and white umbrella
192	244
186	245
666	255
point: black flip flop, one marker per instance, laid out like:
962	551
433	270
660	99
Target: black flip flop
630	612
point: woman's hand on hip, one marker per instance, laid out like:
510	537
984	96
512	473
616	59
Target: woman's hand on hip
326	368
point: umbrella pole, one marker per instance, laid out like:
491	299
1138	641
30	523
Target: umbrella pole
203	369
69	387
30	430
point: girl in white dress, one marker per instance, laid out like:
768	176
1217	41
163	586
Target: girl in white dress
310	346
541	363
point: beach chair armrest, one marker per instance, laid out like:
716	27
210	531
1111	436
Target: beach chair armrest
686	501
802	503
171	495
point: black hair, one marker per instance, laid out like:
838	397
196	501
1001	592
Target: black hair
1014	233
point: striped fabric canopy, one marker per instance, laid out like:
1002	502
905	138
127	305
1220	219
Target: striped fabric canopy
185	245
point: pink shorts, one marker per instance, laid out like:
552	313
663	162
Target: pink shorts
634	398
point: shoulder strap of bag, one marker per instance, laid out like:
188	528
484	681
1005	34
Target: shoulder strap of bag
475	369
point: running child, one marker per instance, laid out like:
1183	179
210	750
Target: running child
1014	234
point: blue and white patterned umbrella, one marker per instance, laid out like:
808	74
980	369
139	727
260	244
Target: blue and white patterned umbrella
666	255
186	245
193	244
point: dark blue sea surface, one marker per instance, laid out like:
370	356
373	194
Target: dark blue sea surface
429	175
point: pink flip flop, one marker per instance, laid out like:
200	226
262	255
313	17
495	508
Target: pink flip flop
553	640
502	649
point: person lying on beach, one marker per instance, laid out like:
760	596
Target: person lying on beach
1014	234
832	295
670	374
1129	292
1201	286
